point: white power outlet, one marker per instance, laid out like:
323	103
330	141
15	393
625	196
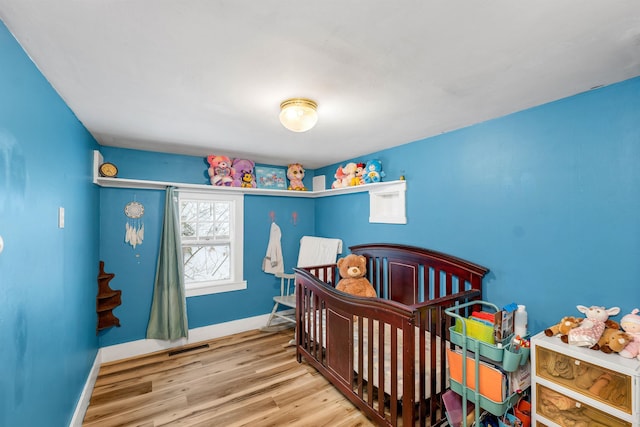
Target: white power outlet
60	217
1	244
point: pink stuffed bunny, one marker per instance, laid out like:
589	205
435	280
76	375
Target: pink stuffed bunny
590	330
631	325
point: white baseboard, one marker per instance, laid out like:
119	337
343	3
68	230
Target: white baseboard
140	347
85	397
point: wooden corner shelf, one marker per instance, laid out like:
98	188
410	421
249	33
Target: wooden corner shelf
106	300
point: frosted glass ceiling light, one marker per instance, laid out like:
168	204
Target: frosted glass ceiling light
298	114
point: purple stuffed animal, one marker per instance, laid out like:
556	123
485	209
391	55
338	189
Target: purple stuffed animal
243	173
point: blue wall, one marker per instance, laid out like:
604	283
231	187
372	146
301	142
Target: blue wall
47	275
135	268
548	199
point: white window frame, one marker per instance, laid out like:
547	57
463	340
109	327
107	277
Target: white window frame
236	282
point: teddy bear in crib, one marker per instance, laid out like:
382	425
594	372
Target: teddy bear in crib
295	173
592	326
630	323
220	170
352	270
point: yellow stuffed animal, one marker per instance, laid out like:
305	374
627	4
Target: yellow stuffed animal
352	270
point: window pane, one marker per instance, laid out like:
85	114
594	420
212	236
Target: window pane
205	263
222	211
222	230
188	211
188	231
205	211
206	229
187	220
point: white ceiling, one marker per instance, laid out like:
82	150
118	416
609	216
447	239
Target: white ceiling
202	77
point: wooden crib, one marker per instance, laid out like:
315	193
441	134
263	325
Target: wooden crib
386	354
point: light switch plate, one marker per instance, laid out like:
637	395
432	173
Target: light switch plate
60	217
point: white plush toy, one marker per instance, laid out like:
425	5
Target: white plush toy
590	330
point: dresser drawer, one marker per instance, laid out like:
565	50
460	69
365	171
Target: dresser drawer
568	412
601	384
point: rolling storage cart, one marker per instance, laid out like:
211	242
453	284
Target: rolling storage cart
484	378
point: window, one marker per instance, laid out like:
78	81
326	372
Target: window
211	230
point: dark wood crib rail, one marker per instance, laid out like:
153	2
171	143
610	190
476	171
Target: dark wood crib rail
416	286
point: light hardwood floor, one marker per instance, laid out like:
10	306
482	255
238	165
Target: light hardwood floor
247	379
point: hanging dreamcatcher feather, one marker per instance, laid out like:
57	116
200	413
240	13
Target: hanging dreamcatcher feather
134	227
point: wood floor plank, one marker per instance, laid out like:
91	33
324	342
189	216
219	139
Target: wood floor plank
247	379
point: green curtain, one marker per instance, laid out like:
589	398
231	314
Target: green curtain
168	319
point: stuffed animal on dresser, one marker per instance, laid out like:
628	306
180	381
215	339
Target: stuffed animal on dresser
631	325
591	327
563	327
613	341
352	270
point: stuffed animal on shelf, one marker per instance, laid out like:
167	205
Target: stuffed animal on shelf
295	173
358	178
220	170
352	270
373	172
243	175
563	327
349	174
592	326
631	325
340	177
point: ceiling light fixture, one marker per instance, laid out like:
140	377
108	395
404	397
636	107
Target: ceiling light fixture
298	114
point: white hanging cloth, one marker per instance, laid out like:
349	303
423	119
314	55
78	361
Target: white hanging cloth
273	261
318	251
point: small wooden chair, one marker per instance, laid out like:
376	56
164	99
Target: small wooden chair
287	298
313	251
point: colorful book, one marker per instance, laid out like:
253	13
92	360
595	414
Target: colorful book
493	382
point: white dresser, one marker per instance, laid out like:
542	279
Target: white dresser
579	387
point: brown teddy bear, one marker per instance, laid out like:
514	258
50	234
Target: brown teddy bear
352	270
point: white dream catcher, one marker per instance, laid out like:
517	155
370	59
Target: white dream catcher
134	226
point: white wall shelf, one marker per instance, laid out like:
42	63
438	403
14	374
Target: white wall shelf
159	185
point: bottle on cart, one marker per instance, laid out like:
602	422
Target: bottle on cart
520	322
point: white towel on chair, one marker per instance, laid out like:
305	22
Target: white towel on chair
318	251
273	261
